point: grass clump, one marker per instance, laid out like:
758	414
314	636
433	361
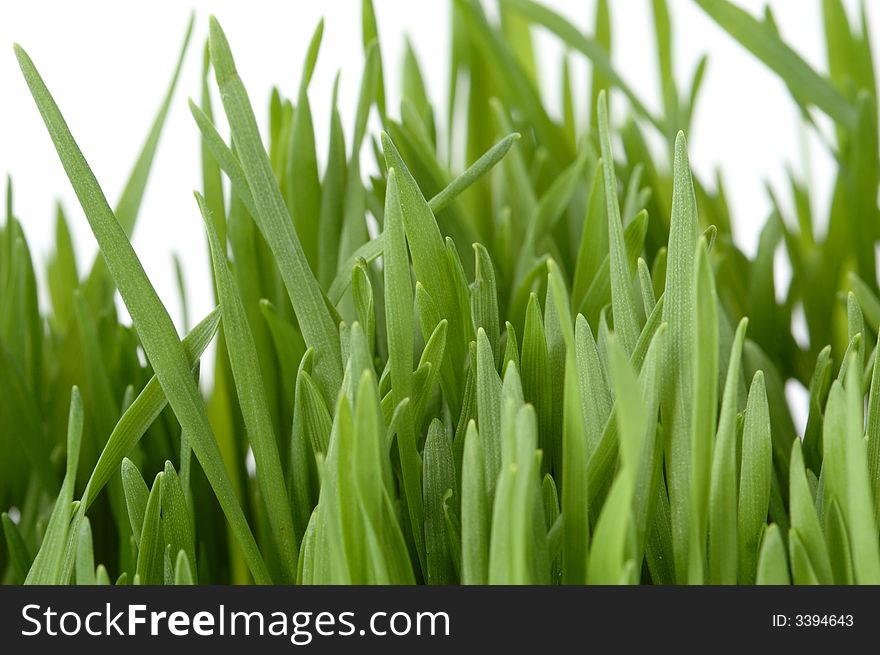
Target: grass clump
552	365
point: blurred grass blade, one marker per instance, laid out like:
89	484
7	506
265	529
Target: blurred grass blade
764	42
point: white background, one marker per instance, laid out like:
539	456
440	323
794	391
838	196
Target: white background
108	62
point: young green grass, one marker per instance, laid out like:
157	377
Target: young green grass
547	363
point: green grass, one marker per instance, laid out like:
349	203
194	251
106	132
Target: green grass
550	365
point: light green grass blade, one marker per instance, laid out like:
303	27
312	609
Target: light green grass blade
873	430
723	551
484	297
704	409
150	549
868	300
48	564
136	495
623	305
804	519
593	248
648	475
432	357
473	173
595	397
536	373
154	326
61	271
364	303
838	540
439	478
370	36
802	572
84	573
400	327
488	412
176	524
304	187
599	292
182	572
859	508
646	286
101	576
223	156
665	67
212	182
678	312
332	197
428	251
754	482
314	318
772	561
610	551
244	361
141	413
373	248
475	512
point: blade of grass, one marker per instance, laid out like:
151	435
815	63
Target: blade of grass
439	478
475	512
143	411
85	555
150	550
704	409
804	519
128	207
723	544
623	305
755	472
136	495
176	525
400	327
245	364
47	565
772	561
585	45
678	311
272	217
151	319
764	42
